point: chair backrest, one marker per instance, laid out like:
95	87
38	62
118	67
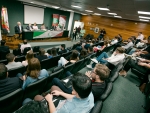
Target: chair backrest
36	48
20	58
26	50
35	88
55	60
11	102
46	63
3	54
13	72
17	52
69	67
77	66
4	61
66	54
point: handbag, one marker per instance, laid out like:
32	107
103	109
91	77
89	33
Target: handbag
34	107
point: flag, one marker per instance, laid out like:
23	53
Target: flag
55	19
4	16
62	20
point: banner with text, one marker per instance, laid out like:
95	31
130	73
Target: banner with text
55	19
62	20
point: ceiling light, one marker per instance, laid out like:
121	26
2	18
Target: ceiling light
45	5
56	7
118	16
144	17
83	14
144	20
112	13
32	2
70	10
75	6
88	11
97	14
143	12
106	9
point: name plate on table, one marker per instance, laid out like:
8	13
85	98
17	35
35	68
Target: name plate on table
47	34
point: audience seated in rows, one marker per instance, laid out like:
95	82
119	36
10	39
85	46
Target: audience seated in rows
62	49
3	47
8	85
24	45
29	56
52	53
73	58
11	61
41	55
33	73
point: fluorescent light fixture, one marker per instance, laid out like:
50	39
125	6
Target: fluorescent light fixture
88	11
118	16
96	14
70	10
143	12
112	13
144	17
106	9
75	6
45	5
32	2
56	7
83	14
144	20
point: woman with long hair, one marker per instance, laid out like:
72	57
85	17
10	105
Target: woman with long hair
29	56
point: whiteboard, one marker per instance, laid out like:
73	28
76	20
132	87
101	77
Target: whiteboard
33	14
77	24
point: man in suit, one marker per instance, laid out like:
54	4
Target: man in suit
18	29
29	27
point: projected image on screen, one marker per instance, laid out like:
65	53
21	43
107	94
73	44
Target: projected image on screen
33	14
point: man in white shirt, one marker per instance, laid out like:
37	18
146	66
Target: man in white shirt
18	29
139	38
129	44
24	45
114	41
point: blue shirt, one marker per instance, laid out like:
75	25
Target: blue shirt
76	105
29	80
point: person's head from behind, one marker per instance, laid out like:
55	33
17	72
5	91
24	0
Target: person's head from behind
30	24
120	50
74	55
83	53
42	51
10	57
34	68
25	42
116	37
90	49
29	55
54	52
3	71
100	72
139	33
129	39
3	42
63	46
81	85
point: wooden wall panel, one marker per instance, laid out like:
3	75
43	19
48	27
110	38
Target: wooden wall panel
115	26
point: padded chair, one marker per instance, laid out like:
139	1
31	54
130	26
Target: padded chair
13	72
56	74
35	88
11	102
138	73
17	52
147	89
84	63
4	62
68	68
20	58
3	54
97	107
46	63
107	91
36	49
55	61
66	54
77	66
26	50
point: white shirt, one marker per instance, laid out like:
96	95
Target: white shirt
20	28
12	65
35	27
140	37
24	46
114	42
115	59
130	44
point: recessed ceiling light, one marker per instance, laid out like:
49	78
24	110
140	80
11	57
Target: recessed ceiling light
88	11
75	6
118	16
143	12
144	20
56	7
112	13
32	2
106	9
144	17
97	14
70	10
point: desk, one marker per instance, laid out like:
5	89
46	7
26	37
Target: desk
43	34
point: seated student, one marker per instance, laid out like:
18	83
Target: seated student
24	45
119	38
114	41
41	55
8	85
29	56
62	49
83	54
73	58
87	45
80	101
3	47
33	73
112	61
98	75
90	50
11	62
52	53
35	27
100	48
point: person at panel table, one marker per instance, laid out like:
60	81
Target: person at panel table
29	27
43	27
35	27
